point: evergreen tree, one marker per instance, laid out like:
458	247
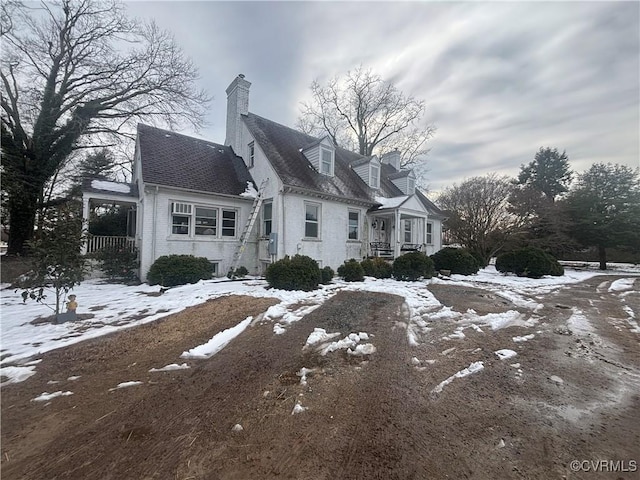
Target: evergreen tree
605	208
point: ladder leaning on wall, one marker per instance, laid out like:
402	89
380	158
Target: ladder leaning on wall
255	211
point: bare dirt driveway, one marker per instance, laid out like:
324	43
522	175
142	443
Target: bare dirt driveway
441	404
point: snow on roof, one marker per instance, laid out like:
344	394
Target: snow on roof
111	186
393	202
250	191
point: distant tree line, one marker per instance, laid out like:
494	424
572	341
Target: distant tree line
547	206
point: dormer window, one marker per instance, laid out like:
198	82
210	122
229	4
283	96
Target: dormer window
374	176
252	154
326	161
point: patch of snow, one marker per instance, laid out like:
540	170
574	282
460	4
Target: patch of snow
524	338
303	375
250	191
447	351
218	342
73	378
578	323
519	300
111	186
471	369
514	365
125	385
392	202
348	342
43	397
298	408
415	361
237	428
17	374
506	319
505	353
170	367
319	335
621	284
362	349
556	379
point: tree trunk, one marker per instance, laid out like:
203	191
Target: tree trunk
602	256
22	215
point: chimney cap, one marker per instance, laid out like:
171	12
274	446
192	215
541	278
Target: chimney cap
241	75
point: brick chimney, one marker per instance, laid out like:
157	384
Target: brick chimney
237	104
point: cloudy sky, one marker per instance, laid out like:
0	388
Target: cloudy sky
500	80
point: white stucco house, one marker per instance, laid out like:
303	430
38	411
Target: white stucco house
268	192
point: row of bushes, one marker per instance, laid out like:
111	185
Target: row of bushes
303	273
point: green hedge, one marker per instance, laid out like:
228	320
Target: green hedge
351	271
457	260
294	273
412	266
171	270
529	262
377	267
326	275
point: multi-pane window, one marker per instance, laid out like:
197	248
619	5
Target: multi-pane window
354	225
267	218
180	218
228	223
429	233
192	220
252	153
408	231
375	176
326	161
206	221
312	220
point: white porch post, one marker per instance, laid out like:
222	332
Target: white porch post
398	232
85	223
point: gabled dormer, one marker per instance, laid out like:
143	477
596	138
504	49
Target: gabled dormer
369	170
405	180
322	155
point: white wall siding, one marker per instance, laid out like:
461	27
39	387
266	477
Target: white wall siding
363	172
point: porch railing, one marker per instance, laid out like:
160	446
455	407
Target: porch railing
95	243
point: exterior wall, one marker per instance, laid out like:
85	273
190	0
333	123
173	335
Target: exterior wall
401	183
363	172
436	236
333	247
158	240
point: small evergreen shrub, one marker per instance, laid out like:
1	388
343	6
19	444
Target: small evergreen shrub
412	266
529	262
351	271
456	260
294	273
118	263
239	272
326	275
172	270
377	267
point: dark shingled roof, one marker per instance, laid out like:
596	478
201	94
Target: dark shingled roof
176	160
282	147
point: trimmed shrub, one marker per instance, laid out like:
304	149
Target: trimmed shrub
118	262
412	266
326	275
239	272
351	271
172	270
529	262
377	267
456	260
294	273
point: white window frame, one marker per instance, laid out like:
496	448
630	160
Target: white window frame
263	224
317	222
357	225
252	153
405	230
330	167
189	210
374	182
429	233
216	222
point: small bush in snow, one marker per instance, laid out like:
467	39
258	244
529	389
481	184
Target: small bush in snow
351	271
377	267
529	262
294	273
119	263
456	260
412	266
239	272
327	275
171	270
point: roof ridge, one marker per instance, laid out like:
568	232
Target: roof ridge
189	137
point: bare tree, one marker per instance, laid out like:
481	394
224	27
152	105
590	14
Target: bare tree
478	215
76	74
362	112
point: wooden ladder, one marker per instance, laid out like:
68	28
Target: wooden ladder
253	216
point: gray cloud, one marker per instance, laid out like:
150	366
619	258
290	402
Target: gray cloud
500	79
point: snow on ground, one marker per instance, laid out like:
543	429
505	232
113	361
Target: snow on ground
473	368
115	307
218	342
44	397
622	284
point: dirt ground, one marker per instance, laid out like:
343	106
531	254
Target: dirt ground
371	417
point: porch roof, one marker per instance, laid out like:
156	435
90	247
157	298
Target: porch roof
109	189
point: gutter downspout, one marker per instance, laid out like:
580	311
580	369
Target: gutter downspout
283	227
153	236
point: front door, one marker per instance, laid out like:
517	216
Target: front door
381	227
